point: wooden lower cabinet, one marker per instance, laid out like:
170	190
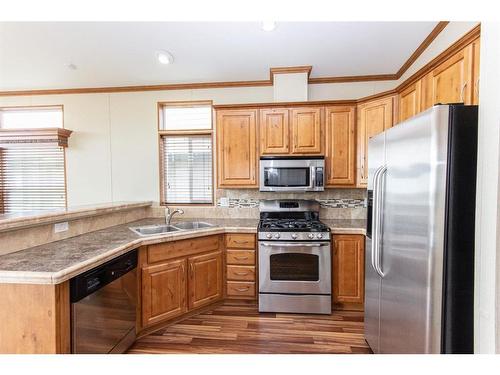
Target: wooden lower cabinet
348	271
179	276
163	291
241	268
205	279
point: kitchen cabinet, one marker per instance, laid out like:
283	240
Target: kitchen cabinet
306	130
163	291
241	266
340	156
452	80
476	46
348	271
373	118
205	279
274	131
410	101
179	276
237	148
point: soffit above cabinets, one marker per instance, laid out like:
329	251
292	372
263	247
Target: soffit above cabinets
62	55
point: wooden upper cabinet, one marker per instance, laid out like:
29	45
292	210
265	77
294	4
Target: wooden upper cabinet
306	130
476	45
348	269
340	145
373	118
274	131
236	148
410	101
163	291
451	82
205	279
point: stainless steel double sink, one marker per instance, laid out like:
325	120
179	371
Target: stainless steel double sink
151	230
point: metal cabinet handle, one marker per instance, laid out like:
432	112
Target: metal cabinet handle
241	273
241	258
241	242
462	92
242	289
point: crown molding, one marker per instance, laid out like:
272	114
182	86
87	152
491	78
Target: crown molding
19	137
269	82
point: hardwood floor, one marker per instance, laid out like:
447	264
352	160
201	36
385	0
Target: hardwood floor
236	327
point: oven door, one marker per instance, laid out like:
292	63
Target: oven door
295	267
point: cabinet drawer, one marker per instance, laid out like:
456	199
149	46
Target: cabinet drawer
241	257
240	289
241	273
240	241
181	248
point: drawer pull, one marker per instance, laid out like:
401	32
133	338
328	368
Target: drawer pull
242	289
241	258
242	242
241	273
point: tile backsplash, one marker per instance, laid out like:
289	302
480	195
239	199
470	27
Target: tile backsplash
244	203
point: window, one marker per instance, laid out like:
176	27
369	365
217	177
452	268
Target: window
186	153
32	159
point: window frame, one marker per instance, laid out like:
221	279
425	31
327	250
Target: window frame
182	133
33	133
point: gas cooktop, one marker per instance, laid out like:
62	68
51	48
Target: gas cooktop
292	225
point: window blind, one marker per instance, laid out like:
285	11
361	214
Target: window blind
187	169
32	178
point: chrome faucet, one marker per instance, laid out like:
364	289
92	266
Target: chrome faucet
168	214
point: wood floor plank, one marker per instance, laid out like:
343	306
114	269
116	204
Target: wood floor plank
238	328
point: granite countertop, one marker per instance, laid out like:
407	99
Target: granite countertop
56	262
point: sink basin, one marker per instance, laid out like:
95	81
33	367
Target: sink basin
190	225
151	230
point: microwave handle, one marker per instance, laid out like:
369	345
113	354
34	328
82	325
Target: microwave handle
312	180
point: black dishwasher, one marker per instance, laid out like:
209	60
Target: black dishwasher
103	307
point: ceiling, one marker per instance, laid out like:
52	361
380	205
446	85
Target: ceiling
36	55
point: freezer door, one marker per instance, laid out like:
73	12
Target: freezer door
376	159
413	225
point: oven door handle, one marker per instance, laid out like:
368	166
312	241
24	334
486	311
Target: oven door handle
294	244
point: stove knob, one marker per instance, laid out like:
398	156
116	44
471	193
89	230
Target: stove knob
319	235
277	235
269	235
294	236
310	235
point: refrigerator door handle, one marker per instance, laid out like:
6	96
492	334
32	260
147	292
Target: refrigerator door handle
375	218
378	230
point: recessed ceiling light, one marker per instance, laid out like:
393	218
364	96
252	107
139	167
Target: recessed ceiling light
268	25
164	57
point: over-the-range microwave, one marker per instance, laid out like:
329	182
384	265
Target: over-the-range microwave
289	173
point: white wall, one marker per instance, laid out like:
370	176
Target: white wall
113	153
487	267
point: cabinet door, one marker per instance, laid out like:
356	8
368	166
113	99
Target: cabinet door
373	118
274	134
340	146
163	291
452	80
306	130
410	101
236	146
205	279
475	72
348	269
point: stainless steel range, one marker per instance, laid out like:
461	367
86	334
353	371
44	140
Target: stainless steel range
294	258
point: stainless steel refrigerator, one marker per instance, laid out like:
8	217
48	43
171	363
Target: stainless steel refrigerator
419	276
